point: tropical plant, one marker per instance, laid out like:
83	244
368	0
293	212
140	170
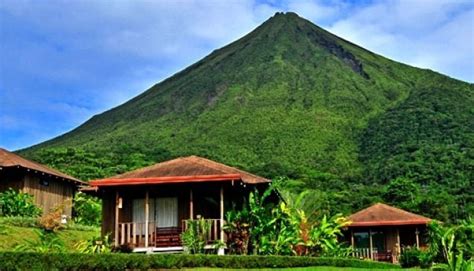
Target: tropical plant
237	228
261	221
455	244
286	229
13	203
47	241
325	236
95	244
195	237
88	209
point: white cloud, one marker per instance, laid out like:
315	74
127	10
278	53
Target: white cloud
427	34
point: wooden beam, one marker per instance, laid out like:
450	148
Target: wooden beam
191	204
116	233
371	248
417	235
147	210
221	250
398	238
352	239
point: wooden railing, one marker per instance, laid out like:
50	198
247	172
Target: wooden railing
134	234
213	234
364	253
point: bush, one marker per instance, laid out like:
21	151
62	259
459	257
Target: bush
88	209
13	203
96	244
410	257
117	261
195	237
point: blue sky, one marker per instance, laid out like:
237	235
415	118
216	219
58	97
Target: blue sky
61	62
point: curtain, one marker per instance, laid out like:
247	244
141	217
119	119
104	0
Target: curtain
139	213
167	212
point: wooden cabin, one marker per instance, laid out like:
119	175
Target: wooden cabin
380	232
49	187
147	209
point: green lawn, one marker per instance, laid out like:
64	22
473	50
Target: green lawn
11	236
316	268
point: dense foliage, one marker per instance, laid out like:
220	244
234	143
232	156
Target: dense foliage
119	261
195	237
292	100
87	210
285	229
453	244
14	203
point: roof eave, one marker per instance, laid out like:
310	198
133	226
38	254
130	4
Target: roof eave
164	180
389	223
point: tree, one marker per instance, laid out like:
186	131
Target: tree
403	192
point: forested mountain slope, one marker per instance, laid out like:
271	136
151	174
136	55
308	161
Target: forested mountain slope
292	100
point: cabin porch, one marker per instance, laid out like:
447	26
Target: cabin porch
385	243
151	218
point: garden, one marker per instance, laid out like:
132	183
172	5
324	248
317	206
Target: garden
260	235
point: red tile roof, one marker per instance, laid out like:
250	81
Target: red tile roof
384	215
9	159
181	170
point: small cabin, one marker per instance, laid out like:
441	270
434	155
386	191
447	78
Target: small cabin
49	187
147	209
380	232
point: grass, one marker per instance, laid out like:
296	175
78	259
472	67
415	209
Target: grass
11	236
315	268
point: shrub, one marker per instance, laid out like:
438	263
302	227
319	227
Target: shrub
95	245
425	258
195	238
237	230
13	203
88	209
410	257
118	261
52	220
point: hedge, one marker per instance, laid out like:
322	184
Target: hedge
120	261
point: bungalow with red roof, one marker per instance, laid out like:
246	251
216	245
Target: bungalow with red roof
147	209
380	232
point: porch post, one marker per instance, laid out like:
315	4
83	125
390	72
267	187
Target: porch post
399	245
221	250
371	244
116	226
352	241
146	218
191	204
352	238
417	238
398	238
